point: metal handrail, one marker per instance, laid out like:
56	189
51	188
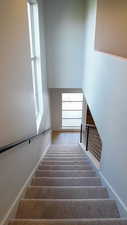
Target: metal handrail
21	141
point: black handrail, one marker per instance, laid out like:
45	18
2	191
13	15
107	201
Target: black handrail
21	141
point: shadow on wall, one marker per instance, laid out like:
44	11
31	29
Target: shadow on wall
111	27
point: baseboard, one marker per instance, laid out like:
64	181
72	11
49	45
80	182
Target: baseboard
112	193
82	146
12	210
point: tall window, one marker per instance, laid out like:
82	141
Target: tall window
35	58
71	110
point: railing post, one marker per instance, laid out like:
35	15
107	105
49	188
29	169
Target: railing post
81	134
87	137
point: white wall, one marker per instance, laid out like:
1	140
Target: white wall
64	42
16	84
17	116
16	166
111	23
16	89
55	105
105	87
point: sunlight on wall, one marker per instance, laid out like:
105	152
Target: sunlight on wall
33	18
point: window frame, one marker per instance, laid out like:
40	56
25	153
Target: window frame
35	58
73	110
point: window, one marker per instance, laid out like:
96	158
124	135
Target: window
71	110
33	19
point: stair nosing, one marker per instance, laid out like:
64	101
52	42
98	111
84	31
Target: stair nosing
64	161
67	200
73	187
78	164
52	154
83	158
66	165
38	170
66	177
73	219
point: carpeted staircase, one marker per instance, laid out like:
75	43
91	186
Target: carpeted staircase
66	191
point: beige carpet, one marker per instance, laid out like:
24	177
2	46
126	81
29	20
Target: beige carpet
66	190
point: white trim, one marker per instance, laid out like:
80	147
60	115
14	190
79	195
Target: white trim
93	159
83	147
112	193
12	210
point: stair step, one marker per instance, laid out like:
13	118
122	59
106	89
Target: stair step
50	162
70	151
66	192
65	167
60	209
107	221
66	181
65	148
65	173
65	158
66	155
64	151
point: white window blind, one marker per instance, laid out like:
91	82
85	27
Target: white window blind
71	110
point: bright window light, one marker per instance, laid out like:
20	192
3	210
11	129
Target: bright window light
33	19
71	110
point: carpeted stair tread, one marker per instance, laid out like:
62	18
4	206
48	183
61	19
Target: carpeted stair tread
66	181
66	155
107	221
66	192
60	209
65	158
65	149
59	159
65	152
75	162
65	173
65	167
